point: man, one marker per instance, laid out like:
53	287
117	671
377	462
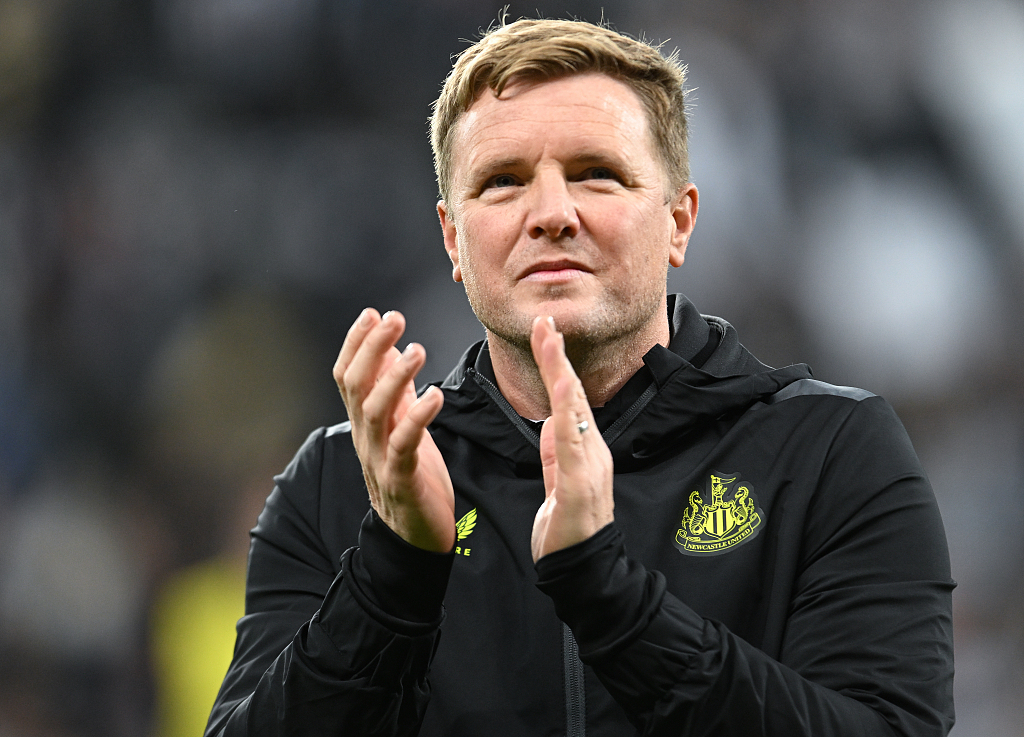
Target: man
691	543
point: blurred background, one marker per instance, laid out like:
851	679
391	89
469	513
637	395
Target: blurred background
197	197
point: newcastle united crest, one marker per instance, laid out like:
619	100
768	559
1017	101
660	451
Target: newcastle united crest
730	518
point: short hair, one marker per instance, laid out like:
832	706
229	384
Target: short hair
543	50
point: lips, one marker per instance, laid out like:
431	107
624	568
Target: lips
561	267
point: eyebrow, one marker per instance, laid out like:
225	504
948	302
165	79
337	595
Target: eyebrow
593	157
489	168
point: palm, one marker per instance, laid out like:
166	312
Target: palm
437	496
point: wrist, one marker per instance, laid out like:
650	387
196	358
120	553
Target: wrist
417	531
396	578
606	598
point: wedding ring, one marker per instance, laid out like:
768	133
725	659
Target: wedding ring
583	426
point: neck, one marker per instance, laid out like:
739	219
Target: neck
603	368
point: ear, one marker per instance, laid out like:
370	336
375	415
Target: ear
451	238
684	214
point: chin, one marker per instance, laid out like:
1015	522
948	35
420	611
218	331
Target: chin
565	311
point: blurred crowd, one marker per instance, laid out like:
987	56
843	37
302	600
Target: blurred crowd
197	197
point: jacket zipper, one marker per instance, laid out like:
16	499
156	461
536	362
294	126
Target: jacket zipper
619	426
575	691
499	399
572	666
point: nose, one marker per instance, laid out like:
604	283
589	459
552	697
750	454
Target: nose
552	210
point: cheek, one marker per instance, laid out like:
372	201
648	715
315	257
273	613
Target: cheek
467	263
487	241
636	234
475	259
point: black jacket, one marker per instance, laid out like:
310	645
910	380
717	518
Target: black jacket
777	566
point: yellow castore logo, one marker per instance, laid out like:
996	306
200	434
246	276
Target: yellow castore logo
463	529
716	527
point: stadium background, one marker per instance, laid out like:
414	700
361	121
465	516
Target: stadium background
197	197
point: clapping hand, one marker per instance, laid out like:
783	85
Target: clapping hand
577	464
405	474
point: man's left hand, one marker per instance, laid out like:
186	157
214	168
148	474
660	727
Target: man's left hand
577	464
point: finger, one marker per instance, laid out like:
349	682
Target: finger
558	369
571	407
367	364
405	438
391	357
566	416
544	331
556	366
394	388
549	352
548	456
367	319
538	331
541	523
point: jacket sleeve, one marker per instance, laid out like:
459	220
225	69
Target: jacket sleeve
326	652
867	648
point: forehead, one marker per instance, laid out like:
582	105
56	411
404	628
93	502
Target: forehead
529	119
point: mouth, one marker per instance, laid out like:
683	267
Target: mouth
547	271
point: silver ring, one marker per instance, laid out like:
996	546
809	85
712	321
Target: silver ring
583	426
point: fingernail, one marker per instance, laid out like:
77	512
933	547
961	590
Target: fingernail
551	322
364	318
407	353
387	315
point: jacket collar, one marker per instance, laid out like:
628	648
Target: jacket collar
703	374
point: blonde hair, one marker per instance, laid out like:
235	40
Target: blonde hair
542	50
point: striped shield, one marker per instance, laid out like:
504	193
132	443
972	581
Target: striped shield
719	521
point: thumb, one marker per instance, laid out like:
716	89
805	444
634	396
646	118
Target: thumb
548	456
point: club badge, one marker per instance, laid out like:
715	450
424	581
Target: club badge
731	518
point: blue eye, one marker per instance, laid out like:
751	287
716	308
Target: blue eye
503	180
601	173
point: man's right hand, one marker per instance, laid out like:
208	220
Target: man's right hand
405	474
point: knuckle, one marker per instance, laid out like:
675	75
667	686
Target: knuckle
372	416
395	446
397	370
349	380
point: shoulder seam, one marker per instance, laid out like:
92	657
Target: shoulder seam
812	387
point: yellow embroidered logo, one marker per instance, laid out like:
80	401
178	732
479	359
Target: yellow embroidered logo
463	529
715	528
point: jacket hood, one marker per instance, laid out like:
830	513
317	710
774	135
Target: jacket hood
703	374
